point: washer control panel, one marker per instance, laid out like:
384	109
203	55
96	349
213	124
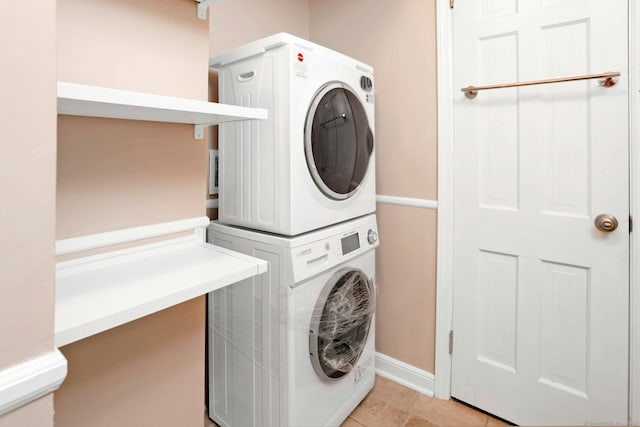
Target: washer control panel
349	241
358	240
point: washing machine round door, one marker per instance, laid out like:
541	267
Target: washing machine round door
338	141
340	323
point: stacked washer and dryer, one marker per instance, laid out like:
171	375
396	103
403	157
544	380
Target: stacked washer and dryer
295	346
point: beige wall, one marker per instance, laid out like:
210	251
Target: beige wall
118	173
236	22
115	174
399	42
142	45
145	373
36	414
406	279
27	192
27	174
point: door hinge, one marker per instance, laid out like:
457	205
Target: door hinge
451	4
450	342
630	224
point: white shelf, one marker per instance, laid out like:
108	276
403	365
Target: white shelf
95	101
97	293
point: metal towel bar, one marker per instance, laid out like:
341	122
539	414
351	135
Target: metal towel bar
607	79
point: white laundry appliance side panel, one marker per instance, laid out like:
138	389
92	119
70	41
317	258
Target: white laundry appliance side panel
247	342
308	404
304	190
253	186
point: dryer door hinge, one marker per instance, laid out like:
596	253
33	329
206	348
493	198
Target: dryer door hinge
450	342
630	224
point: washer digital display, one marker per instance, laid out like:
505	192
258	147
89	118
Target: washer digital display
350	243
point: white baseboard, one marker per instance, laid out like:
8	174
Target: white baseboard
28	381
407	375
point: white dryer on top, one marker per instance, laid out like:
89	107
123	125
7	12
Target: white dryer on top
311	164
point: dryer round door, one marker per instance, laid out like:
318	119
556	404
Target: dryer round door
338	140
341	322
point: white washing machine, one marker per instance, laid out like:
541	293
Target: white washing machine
312	163
294	346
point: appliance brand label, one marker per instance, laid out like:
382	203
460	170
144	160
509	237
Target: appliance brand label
299	66
300	70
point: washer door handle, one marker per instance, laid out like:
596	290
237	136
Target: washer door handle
342	116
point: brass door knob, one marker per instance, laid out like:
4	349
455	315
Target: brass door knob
606	222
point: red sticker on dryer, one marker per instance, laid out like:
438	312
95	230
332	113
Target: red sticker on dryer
300	57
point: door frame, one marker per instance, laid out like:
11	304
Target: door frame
634	205
446	161
445	239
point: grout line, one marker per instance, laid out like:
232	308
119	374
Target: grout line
415	396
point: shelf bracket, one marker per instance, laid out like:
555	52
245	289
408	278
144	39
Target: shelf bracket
198	131
203	5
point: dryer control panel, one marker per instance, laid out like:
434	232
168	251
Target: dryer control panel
366	83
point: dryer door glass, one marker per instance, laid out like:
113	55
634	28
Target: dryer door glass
338	141
340	323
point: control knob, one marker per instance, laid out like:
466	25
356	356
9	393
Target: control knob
372	236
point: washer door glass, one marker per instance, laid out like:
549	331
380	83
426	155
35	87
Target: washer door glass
338	141
340	324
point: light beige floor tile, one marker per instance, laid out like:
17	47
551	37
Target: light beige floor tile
368	410
393	417
494	422
445	413
374	412
394	394
414	421
350	422
388	416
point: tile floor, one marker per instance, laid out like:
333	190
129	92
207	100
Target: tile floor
391	405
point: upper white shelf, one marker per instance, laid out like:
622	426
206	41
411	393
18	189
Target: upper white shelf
100	292
95	101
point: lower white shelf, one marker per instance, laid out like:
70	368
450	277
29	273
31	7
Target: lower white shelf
97	293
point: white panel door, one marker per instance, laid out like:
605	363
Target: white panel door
540	295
